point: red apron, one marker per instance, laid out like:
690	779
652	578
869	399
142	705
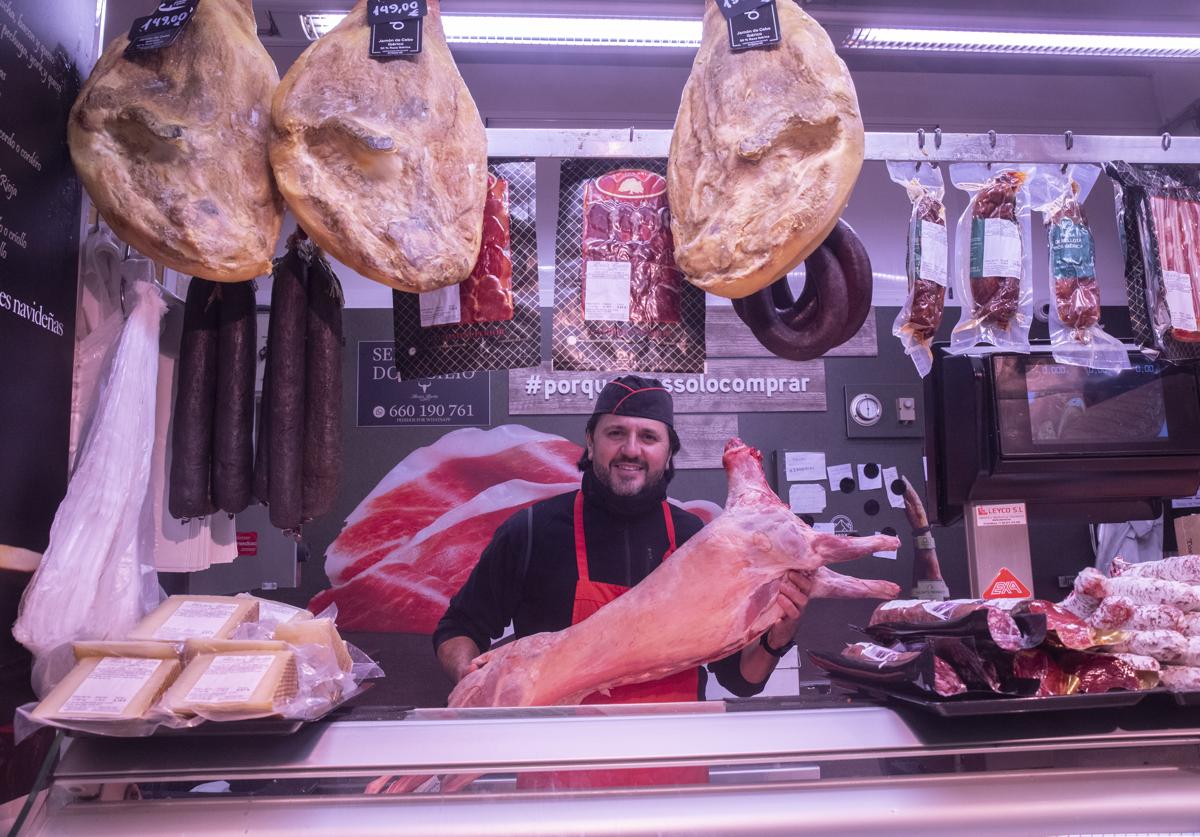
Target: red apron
590	596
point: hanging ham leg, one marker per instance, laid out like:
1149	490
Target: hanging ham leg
715	595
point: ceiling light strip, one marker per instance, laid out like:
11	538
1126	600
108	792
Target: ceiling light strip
1023	43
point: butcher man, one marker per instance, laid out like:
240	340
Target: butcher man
558	562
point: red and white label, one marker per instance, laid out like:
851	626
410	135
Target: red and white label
247	543
1001	514
1006	586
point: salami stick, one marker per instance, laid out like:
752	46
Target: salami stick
323	391
262	443
233	425
195	400
285	362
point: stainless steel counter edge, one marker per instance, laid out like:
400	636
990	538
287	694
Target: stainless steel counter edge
1002	804
369	748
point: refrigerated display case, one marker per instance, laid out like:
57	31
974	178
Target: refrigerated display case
822	763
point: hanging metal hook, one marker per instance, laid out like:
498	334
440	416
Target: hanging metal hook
1069	139
1166	141
921	139
937	138
992	138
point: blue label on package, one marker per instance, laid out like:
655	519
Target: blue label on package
459	400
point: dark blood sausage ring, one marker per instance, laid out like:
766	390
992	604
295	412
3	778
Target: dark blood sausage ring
797	328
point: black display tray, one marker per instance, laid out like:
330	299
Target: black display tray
966	706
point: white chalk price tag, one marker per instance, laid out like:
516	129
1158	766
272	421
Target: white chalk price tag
891	477
807	498
441	307
869	477
802	466
606	287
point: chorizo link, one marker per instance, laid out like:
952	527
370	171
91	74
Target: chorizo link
285	360
233	425
190	493
323	391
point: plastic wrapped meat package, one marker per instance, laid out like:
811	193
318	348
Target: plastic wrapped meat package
927	261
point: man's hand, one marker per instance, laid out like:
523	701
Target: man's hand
793	598
455	655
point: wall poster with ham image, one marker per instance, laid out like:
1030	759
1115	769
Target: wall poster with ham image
490	321
620	303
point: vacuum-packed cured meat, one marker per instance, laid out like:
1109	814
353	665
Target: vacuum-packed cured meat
927	261
171	145
1076	335
768	144
993	262
487	294
383	162
958	617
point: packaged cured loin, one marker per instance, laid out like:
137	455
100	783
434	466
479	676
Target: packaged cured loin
914	665
993	260
927	261
621	304
1158	214
1084	672
1009	631
1076	334
1068	629
492	320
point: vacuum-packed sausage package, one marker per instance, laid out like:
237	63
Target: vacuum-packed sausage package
993	260
491	320
1076	335
620	302
1158	214
927	261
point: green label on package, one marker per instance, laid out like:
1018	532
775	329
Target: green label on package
1072	251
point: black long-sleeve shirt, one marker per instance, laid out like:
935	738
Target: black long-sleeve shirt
539	596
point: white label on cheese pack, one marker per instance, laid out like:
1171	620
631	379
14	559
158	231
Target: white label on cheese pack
606	291
807	498
110	686
1001	248
441	307
934	253
804	467
230	678
1177	288
269	611
195	619
1000	514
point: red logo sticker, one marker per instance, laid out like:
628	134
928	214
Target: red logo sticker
247	543
1006	586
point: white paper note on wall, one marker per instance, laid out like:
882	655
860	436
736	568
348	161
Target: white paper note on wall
807	498
837	473
866	482
891	556
802	466
890	477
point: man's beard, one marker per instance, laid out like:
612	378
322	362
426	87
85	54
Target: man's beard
652	492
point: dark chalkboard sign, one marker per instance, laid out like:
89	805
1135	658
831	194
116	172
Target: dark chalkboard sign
44	49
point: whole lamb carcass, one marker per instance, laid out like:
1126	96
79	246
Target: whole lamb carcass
712	597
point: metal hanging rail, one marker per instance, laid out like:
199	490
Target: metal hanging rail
931	146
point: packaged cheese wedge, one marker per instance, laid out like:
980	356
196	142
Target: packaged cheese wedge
272	611
108	688
234	686
321	632
148	650
185	617
193	648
